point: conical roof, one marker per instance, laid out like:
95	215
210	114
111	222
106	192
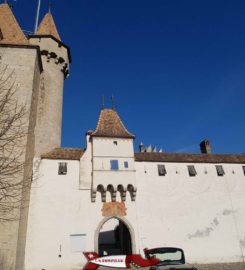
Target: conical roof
48	27
110	125
10	31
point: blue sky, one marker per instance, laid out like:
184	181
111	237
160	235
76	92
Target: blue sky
175	67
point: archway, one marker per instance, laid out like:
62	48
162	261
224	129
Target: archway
114	237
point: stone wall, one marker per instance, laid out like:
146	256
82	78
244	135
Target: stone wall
23	61
50	100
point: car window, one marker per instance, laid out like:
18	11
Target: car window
173	256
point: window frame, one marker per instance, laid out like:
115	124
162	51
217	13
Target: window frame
192	170
62	170
161	170
220	170
126	165
114	165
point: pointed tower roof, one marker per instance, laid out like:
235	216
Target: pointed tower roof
110	125
10	31
48	27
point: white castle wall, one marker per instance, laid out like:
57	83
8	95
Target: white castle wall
106	149
58	209
204	215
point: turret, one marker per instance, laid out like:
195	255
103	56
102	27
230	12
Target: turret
23	61
113	167
55	59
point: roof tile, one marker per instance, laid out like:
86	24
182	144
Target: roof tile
10	31
190	158
48	27
110	125
64	153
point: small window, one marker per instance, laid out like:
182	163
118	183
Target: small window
220	170
125	164
192	171
243	168
62	168
114	164
161	169
78	242
115	142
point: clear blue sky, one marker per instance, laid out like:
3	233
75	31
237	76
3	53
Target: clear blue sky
176	68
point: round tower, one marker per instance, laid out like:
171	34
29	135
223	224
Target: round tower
55	59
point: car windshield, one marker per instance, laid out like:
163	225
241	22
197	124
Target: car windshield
167	255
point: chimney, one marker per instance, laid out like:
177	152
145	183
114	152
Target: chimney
141	147
205	147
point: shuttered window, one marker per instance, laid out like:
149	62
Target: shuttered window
220	170
192	171
62	168
161	170
114	165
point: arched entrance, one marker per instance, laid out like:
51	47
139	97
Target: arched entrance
114	237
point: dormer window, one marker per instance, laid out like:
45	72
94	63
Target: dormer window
192	171
114	165
220	170
62	168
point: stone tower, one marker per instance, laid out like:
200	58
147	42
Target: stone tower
55	59
40	64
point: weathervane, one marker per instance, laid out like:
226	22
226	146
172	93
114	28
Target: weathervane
103	102
113	102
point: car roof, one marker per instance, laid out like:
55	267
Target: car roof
163	249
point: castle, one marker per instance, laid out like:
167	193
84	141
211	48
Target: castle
107	198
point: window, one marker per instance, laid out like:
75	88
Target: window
78	242
62	168
161	169
115	142
125	164
220	170
243	168
192	171
114	164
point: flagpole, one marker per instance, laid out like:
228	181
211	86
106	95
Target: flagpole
37	16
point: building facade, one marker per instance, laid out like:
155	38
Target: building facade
106	197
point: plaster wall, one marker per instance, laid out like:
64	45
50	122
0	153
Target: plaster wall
58	209
85	179
105	147
203	214
114	178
